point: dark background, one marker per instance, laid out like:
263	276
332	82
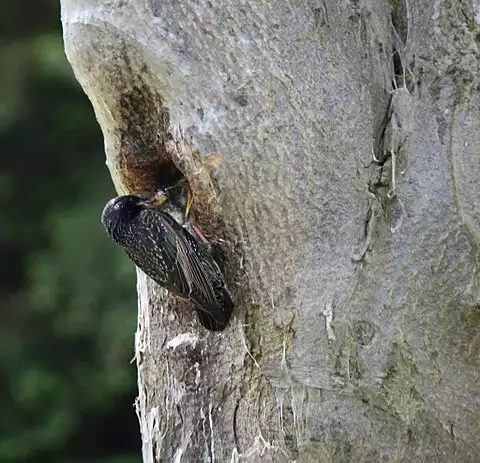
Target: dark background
67	294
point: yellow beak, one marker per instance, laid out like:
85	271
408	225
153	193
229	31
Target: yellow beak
158	200
189	202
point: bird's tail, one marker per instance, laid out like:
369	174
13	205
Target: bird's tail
215	318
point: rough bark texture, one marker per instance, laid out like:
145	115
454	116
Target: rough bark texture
346	204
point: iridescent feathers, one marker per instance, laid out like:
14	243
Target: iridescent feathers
170	255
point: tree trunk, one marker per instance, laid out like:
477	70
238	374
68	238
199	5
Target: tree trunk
345	203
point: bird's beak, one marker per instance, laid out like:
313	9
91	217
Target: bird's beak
156	201
189	202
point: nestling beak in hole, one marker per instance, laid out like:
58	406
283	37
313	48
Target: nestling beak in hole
162	196
189	201
158	200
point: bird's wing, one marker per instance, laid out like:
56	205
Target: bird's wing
159	253
188	264
190	270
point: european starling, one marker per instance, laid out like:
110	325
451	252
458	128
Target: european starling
170	255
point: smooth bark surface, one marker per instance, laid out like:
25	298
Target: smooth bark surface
347	206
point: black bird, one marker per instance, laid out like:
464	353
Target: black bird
170	255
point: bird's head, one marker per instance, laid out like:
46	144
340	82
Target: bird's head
119	212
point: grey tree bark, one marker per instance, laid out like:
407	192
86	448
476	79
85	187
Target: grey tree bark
345	200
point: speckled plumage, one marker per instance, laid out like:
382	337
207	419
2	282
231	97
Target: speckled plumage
169	255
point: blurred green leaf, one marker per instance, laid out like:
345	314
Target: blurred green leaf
50	56
68	294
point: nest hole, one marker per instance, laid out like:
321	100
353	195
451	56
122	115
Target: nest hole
151	157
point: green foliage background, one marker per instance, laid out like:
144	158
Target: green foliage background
67	295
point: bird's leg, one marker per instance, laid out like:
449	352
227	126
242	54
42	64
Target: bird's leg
198	233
